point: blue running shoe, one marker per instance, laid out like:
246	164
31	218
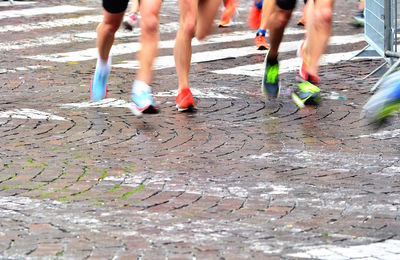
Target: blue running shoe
385	102
270	83
98	85
142	102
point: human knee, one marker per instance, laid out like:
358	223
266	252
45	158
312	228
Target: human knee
281	19
324	16
189	27
108	28
149	23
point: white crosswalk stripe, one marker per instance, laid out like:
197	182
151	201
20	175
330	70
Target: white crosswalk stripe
79	38
62	9
8	3
87	19
168	61
288	65
120	49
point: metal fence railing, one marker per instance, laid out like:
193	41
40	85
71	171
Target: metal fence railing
382	22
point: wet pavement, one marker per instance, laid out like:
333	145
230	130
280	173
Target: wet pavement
242	178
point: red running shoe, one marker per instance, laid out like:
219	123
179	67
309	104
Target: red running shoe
184	100
254	18
229	13
261	42
303	75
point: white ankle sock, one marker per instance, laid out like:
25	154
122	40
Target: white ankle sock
103	66
139	86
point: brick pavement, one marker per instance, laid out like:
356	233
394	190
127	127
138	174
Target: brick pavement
242	178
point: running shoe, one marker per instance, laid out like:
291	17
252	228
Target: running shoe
261	42
184	100
142	102
301	21
131	22
270	83
254	18
229	13
385	102
307	92
303	75
98	85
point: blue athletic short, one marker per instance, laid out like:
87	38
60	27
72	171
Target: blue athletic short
115	6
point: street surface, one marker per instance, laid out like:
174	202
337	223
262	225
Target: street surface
243	178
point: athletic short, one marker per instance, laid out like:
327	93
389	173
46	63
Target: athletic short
286	4
115	6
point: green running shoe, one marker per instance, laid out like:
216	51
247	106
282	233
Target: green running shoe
306	92
270	83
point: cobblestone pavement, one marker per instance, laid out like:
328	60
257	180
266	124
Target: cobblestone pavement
243	178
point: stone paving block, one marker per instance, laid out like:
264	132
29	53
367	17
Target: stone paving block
46	250
243	177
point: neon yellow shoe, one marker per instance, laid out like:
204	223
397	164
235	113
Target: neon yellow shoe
307	92
270	84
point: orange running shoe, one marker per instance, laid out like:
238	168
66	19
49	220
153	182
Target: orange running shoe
254	18
302	21
229	13
184	100
261	42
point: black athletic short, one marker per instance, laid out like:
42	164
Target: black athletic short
115	6
286	4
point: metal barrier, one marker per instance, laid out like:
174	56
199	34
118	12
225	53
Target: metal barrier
381	31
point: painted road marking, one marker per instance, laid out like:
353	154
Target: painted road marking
8	4
126	48
73	37
87	19
389	249
108	102
204	93
164	28
169	62
112	102
27	113
383	134
257	70
62	9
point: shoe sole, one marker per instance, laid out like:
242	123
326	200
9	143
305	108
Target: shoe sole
133	108
301	103
224	25
262	48
297	100
191	108
139	112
